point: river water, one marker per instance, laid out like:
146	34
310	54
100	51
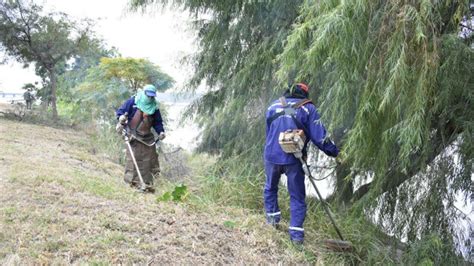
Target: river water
179	133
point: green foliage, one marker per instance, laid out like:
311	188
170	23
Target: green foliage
77	72
29	86
179	194
371	246
231	185
229	224
135	73
99	98
96	87
108	142
430	251
392	78
90	92
47	40
384	78
395	75
238	45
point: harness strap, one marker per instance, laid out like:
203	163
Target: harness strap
301	103
133	137
139	123
139	120
289	109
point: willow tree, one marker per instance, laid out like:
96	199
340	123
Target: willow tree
392	78
238	42
397	78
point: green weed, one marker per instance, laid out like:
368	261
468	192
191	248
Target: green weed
179	194
230	224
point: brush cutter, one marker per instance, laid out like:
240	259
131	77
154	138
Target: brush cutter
334	244
292	141
143	186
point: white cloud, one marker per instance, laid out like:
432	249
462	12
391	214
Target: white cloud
13	76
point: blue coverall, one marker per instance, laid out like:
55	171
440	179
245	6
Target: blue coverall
278	162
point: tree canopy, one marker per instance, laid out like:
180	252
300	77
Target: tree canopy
238	45
135	73
396	76
101	87
28	86
392	80
47	40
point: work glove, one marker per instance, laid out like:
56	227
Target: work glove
123	119
162	136
119	128
340	159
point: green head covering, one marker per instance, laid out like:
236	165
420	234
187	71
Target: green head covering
144	103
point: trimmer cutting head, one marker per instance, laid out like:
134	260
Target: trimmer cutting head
338	245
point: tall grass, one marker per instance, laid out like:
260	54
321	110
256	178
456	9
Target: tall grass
100	131
108	142
229	183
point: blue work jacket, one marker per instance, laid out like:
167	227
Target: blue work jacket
308	117
130	108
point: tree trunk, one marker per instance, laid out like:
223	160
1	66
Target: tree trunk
52	77
344	188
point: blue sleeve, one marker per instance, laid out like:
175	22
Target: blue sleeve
317	132
267	115
125	108
158	122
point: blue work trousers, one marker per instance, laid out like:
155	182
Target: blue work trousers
296	189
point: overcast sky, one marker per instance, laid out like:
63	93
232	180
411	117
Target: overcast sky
162	37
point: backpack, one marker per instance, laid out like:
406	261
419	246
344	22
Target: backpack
292	141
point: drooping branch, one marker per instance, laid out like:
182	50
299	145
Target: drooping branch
395	177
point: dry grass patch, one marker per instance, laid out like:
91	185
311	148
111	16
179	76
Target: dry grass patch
61	203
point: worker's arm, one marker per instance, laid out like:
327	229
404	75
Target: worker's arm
126	107
317	132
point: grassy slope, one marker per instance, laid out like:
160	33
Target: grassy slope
61	203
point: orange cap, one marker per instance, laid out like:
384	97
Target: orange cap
303	87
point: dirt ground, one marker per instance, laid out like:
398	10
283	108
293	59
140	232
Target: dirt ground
61	203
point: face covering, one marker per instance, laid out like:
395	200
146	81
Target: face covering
145	104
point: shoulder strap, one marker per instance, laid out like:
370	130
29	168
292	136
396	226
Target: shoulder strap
139	113
301	103
300	125
289	109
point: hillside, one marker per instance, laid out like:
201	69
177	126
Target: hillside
61	202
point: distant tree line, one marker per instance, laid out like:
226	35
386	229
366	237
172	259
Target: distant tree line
75	66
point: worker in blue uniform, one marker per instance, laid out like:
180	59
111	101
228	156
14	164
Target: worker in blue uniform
278	162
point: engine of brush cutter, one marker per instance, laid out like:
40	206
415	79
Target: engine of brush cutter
292	141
